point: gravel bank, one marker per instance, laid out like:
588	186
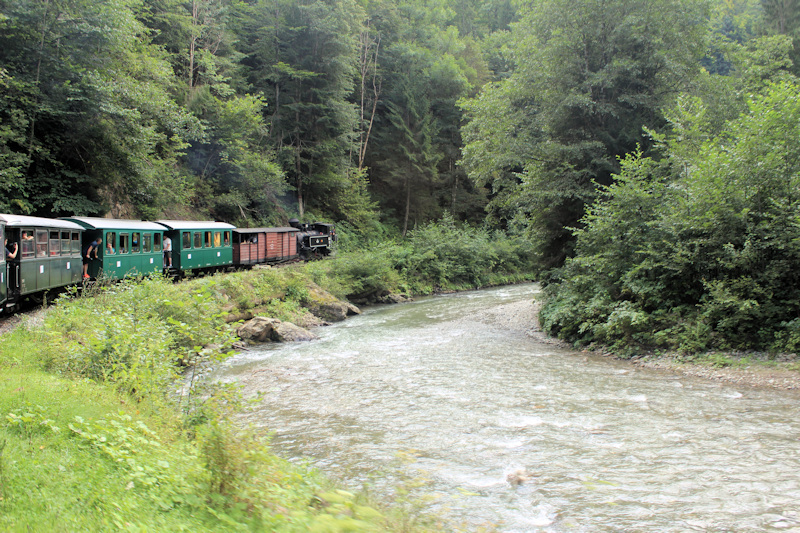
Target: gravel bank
30	319
522	318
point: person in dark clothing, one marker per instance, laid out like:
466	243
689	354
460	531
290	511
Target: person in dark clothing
89	253
9	254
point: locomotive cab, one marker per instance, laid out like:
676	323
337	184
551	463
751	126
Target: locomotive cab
313	239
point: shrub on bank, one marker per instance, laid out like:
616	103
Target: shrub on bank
440	256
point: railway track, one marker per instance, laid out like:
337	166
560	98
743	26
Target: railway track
10	321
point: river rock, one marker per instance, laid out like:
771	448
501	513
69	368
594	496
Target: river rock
265	329
326	306
259	329
288	332
393	299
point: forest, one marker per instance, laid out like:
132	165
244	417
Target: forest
644	154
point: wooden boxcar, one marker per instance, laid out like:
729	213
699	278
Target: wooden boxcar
130	247
199	245
264	245
48	255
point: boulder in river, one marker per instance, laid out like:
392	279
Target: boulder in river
288	332
258	329
265	329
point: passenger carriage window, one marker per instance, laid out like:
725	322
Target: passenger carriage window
187	240
76	242
65	246
217	239
156	242
55	243
136	243
28	248
41	243
198	239
208	239
227	238
147	243
124	243
111	242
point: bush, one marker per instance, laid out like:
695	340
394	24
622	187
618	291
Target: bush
451	255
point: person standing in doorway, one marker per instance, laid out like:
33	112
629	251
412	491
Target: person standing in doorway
167	252
89	253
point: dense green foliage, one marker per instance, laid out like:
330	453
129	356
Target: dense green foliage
245	111
697	250
439	256
587	77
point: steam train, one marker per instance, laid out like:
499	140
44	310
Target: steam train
44	254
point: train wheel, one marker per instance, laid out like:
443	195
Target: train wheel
38	297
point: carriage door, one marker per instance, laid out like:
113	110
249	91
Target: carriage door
3	271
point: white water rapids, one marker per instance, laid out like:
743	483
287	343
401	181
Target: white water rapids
428	391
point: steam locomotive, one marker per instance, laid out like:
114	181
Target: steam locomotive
313	240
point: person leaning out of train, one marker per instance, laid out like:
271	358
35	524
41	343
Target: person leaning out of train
9	254
89	253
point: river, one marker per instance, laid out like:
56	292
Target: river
435	395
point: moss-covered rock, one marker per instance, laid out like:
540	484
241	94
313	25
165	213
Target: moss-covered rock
326	306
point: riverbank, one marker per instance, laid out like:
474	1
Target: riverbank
749	369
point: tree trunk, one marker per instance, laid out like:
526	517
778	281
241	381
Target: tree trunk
299	182
368	63
38	77
297	166
455	187
408	205
193	43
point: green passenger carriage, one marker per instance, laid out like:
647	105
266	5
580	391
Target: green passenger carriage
129	247
48	256
199	245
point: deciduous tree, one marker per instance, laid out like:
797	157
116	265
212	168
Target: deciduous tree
587	77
